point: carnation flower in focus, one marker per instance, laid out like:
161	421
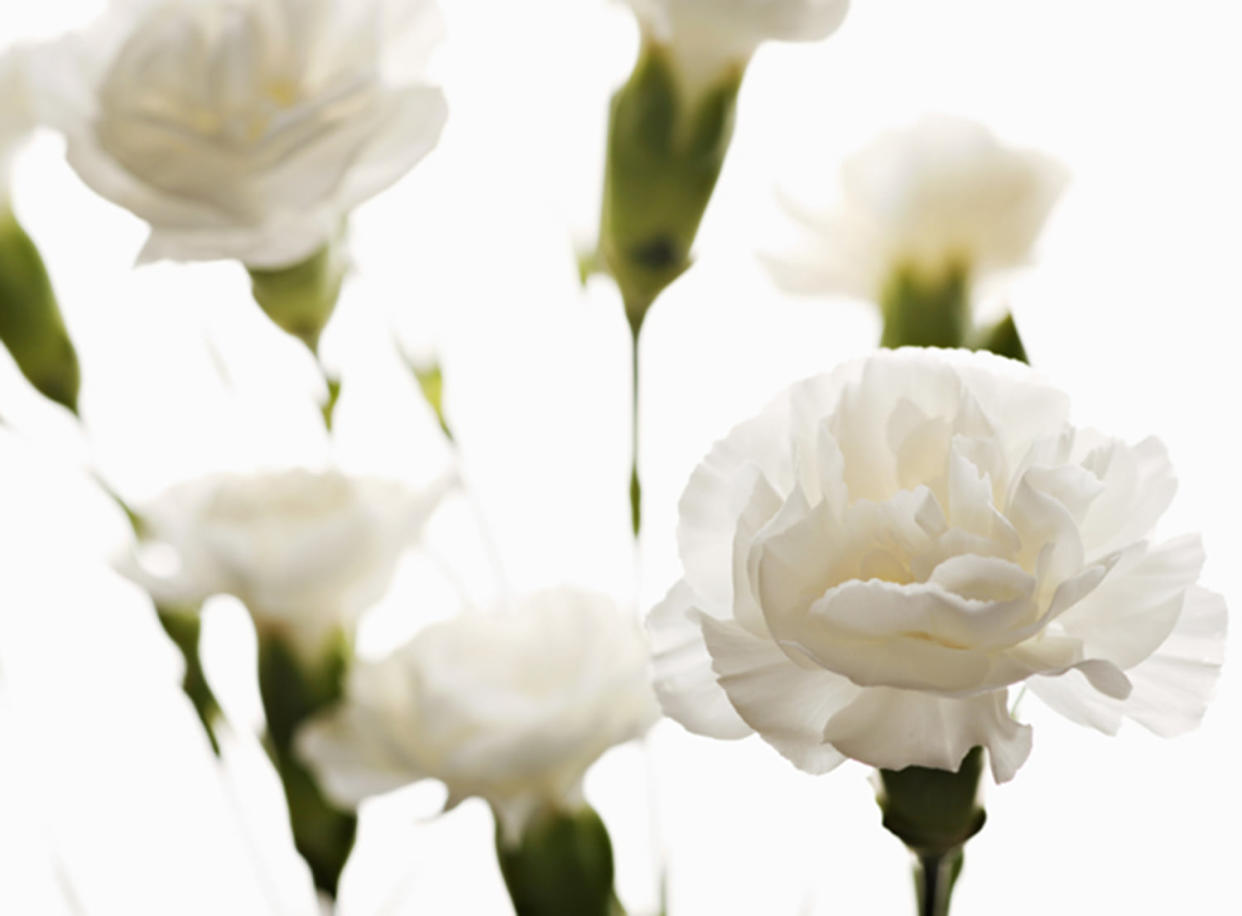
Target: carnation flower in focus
876	559
940	198
306	552
245	129
512	706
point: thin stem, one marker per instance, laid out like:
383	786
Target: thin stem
934	877
636	488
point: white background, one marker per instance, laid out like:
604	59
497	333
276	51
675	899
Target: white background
1133	307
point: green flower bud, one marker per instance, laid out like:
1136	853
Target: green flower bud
31	326
300	299
665	153
562	864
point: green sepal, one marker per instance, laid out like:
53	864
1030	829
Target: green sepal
430	378
1003	339
31	325
293	690
301	298
934	811
664	157
926	311
561	865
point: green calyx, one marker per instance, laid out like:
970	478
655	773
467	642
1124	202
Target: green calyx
665	153
562	864
934	310
934	812
293	690
301	298
31	326
922	310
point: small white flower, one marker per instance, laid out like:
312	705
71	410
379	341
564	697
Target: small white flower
709	37
940	196
244	129
512	706
873	561
306	552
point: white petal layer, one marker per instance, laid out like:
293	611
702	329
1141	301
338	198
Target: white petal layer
684	680
787	704
1171	689
894	729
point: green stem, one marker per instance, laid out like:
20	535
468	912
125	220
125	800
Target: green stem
934	812
293	691
635	320
934	877
184	628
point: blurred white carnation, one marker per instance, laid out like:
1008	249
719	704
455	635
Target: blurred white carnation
512	706
306	552
940	196
16	117
878	556
708	37
244	129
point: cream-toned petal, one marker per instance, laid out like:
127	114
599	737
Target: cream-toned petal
352	756
1136	605
1139	485
683	676
787	704
716	495
1173	687
894	729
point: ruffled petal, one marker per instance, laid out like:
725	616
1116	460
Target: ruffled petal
894	729
787	704
684	679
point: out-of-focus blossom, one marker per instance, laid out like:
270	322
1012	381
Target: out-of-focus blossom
306	552
512	706
706	38
943	197
244	129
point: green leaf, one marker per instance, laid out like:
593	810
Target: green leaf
1003	339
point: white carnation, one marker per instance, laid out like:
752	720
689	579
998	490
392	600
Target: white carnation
942	195
306	552
879	556
512	707
244	129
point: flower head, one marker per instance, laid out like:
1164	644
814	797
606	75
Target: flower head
710	36
306	552
939	197
873	561
245	129
512	706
